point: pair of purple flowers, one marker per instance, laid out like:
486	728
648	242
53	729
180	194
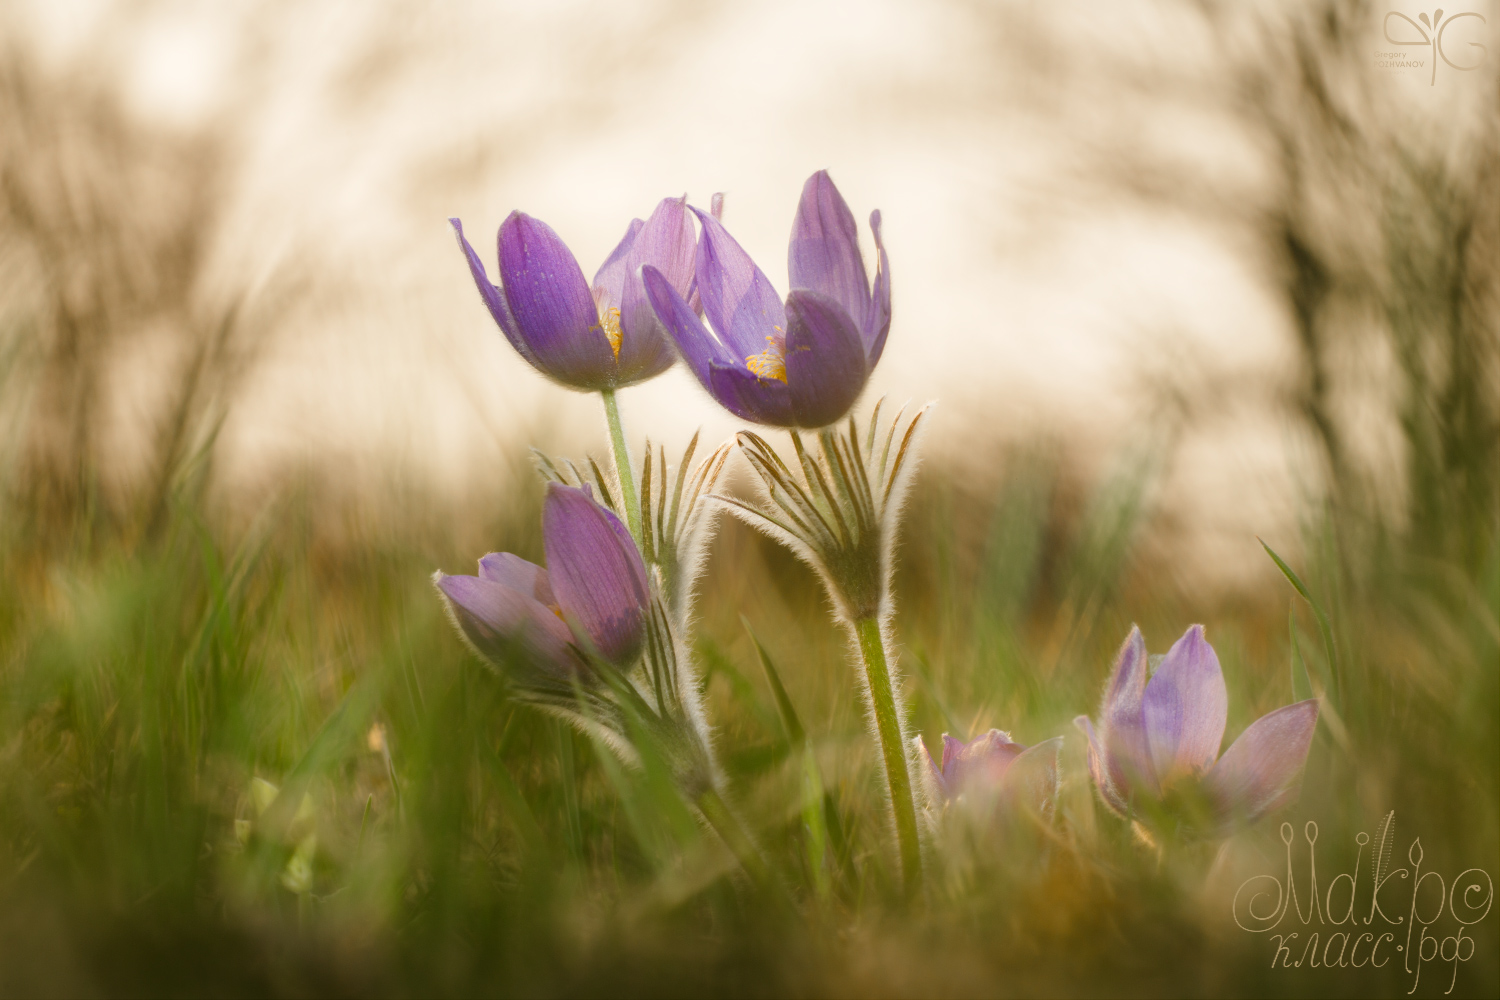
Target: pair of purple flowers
1155	754
801	363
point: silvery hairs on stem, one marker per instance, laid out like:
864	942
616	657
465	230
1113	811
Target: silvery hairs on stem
675	526
613	705
840	514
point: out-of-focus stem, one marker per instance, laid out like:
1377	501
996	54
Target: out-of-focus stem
719	816
893	750
623	469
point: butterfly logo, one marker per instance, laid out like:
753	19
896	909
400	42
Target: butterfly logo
1431	32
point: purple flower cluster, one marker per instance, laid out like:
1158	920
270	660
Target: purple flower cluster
802	362
1155	754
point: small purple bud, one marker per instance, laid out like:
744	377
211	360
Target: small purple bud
995	767
595	582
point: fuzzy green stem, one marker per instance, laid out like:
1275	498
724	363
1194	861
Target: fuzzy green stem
893	750
623	469
719	816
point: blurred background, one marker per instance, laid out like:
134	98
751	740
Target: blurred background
1105	223
1180	274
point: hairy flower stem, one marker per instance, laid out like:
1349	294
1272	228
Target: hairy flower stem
623	468
723	820
893	749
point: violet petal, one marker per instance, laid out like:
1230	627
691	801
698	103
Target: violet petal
596	571
716	209
494	298
937	773
823	255
609	280
951	747
553	307
517	574
1260	770
1122	724
1032	777
750	397
825	359
737	297
666	242
697	345
1098	770
494	616
982	762
879	321
1185	708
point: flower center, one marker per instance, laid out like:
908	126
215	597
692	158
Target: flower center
770	363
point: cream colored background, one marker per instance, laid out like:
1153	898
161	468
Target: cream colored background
1035	291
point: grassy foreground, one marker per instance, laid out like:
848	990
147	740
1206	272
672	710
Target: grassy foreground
425	835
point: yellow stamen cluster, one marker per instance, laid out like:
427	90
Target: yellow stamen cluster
770	363
609	321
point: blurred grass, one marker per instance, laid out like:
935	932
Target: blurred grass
145	684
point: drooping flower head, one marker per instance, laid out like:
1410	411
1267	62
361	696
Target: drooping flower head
798	364
994	766
1157	742
594	582
589	338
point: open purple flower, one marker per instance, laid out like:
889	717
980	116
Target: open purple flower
994	765
802	364
595	582
589	338
1158	741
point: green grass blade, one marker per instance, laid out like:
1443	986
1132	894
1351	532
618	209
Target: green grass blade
715	662
343	728
1323	625
1301	686
796	735
814	823
568	773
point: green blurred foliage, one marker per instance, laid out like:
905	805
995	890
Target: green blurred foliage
422	834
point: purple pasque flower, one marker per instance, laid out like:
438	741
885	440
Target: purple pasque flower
1158	741
594	583
589	338
994	765
801	364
